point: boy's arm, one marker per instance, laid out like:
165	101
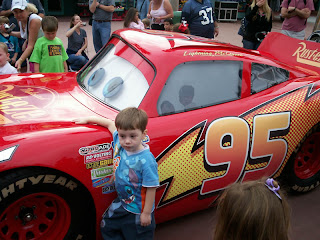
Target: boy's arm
145	217
104	122
65	66
36	67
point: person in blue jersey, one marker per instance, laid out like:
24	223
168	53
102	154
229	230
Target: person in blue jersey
199	15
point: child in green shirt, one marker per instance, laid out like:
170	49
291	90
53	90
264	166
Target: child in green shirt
49	54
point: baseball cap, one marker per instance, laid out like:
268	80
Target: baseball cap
19	4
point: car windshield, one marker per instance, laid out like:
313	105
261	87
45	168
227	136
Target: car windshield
114	77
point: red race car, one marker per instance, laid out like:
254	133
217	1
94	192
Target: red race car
217	114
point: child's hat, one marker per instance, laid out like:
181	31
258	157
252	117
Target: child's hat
19	4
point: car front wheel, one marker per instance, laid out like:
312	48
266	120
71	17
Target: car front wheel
41	203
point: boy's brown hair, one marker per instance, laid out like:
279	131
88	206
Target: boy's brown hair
132	118
4	19
146	21
49	24
251	211
4	47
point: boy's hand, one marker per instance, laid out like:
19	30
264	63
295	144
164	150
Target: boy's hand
85	120
145	219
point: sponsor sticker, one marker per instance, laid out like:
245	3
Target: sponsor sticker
108	189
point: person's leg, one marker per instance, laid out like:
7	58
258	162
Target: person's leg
105	31
144	8
256	45
112	221
96	36
132	229
248	44
76	62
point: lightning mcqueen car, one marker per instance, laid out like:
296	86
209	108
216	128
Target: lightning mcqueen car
217	114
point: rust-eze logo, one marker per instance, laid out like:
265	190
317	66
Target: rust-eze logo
19	103
307	56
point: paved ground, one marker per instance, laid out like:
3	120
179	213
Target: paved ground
305	207
228	31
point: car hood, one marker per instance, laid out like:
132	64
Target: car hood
41	98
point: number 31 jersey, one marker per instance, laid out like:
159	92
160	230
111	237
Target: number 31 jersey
200	17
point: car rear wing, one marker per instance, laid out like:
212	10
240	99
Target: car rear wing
296	53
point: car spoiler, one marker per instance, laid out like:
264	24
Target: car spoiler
294	52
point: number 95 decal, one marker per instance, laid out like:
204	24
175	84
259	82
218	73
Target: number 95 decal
230	147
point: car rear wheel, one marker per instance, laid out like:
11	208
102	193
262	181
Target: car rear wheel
44	204
303	170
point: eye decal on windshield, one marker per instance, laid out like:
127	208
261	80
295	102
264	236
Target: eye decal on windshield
112	87
96	77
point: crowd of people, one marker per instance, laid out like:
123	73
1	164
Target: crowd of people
23	28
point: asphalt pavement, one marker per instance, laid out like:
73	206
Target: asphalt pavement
305	207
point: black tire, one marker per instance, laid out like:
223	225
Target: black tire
302	173
56	198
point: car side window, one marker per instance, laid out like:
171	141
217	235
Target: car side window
265	76
199	84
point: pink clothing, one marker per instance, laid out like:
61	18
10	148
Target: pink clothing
138	25
296	23
160	12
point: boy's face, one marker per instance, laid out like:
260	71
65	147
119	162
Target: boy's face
131	140
50	35
3	57
167	26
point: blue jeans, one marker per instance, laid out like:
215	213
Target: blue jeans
77	62
123	225
250	45
100	33
143	9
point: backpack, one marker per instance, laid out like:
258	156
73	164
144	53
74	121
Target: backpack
243	27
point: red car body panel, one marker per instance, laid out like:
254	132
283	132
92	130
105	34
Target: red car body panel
37	113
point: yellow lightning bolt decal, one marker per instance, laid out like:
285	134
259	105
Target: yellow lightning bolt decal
183	168
304	105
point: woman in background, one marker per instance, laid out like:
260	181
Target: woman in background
259	18
30	29
77	44
159	10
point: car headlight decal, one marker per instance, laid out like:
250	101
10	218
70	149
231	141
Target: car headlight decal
6	155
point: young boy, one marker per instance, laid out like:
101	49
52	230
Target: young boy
168	24
11	41
146	23
5	67
130	216
49	54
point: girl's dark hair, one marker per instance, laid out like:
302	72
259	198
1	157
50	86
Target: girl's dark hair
130	17
251	211
72	20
